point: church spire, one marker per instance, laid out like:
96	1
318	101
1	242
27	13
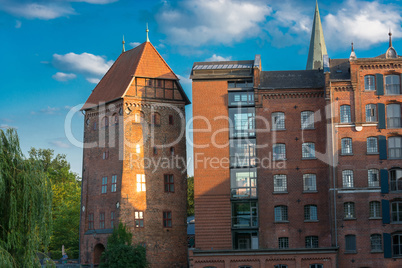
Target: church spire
124	49
147	33
317	43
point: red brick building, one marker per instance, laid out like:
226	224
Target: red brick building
298	168
135	159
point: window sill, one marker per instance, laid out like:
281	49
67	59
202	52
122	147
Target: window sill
281	222
376	251
309	158
389	158
375	218
396	222
308	221
278	129
376	153
279	159
346	154
310	192
280	192
349	219
350	252
308	128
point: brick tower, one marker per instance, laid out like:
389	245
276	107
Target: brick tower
135	159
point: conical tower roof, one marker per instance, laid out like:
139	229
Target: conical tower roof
317	44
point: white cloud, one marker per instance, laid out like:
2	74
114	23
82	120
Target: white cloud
60	143
7	126
196	23
18	24
134	44
44	9
93	80
62	77
364	23
93	67
218	58
49	110
184	80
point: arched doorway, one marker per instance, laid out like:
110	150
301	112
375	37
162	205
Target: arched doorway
98	250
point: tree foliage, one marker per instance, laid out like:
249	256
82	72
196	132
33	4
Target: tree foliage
190	196
121	253
25	205
66	188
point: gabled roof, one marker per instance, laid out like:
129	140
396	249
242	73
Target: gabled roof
141	61
317	44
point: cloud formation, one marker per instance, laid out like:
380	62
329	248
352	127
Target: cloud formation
218	58
364	23
196	23
62	77
44	9
134	44
60	143
93	67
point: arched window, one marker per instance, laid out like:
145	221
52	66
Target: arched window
395	147
347	178
396	179
349	210
311	241
105	121
376	243
371	113
345	115
308	150
397	245
369	82
394	115
373	178
156	119
346	146
392	85
309	182
307	119
310	213
278	121
280	183
372	145
115	119
139	117
375	211
281	213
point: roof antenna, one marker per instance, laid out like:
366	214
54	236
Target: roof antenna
124	50
147	33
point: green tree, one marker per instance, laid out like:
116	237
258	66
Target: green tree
25	205
190	196
120	252
66	187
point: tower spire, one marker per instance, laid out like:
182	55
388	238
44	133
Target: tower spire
390	37
317	48
352	54
147	33
123	50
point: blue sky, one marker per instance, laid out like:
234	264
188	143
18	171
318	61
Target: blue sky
55	51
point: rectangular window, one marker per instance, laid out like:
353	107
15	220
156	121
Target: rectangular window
279	151
242	122
104	185
376	243
245	239
394	116
396	211
308	150
372	145
392	85
347	178
139	219
346	146
141	183
90	221
375	211
169	183
309	182
243	183
369	83
395	147
371	113
241	98
244	214
167	219
105	155
396	245
281	213
373	178
242	153
280	183
114	183
345	116
350	243
112	219
101	220
283	242
349	210
278	121
395	179
311	241
307	120
310	213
